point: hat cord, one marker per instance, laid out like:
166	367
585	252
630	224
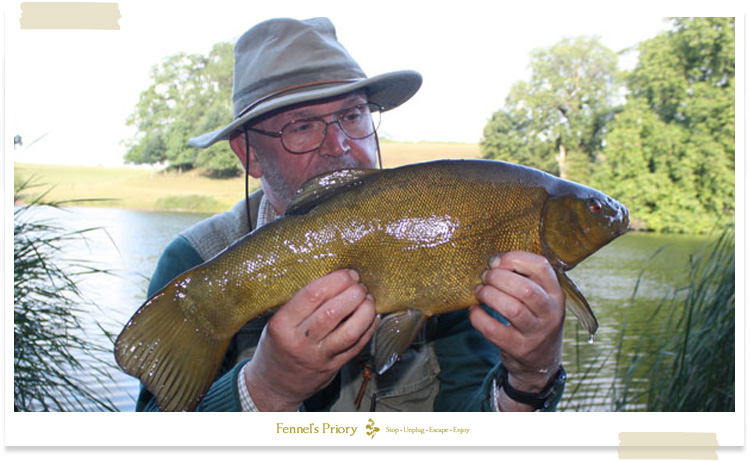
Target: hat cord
377	146
247	180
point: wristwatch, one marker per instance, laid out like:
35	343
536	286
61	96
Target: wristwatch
539	401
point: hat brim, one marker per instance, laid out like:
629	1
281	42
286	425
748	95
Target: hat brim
386	90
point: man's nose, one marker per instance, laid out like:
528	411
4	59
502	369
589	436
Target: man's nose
335	143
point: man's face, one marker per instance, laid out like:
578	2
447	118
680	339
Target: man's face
282	172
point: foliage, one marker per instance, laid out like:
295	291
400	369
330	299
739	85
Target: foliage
51	351
555	122
190	94
667	152
670	152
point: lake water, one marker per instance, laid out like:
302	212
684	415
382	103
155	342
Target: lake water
134	240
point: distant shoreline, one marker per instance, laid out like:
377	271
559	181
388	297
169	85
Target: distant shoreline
153	190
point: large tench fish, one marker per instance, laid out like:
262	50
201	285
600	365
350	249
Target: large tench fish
420	236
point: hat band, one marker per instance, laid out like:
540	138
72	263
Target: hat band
257	102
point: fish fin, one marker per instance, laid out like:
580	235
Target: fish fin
394	335
170	354
322	187
577	303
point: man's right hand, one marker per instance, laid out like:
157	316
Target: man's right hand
309	339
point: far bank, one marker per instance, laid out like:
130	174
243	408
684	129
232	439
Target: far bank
146	189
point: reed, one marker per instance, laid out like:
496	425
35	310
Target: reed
52	353
693	364
687	363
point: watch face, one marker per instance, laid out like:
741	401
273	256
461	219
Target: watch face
555	389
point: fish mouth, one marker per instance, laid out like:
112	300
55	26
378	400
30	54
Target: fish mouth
618	219
619	222
623	214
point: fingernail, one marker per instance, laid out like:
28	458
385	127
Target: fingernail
495	261
484	273
354	275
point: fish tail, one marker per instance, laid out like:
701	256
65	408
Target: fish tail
175	356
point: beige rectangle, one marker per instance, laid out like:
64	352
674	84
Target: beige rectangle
668	445
70	15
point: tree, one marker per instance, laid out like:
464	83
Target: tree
669	155
189	95
556	121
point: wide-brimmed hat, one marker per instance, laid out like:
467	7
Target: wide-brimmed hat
284	62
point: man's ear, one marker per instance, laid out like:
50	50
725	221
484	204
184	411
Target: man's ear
238	144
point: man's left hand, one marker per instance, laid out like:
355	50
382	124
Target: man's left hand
524	289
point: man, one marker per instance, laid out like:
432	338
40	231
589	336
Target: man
303	107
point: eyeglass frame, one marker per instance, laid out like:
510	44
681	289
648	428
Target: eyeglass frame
279	134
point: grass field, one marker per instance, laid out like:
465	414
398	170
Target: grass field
142	189
395	154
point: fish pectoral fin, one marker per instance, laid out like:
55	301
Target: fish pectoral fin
322	187
394	335
577	303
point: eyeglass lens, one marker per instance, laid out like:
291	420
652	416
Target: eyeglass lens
308	134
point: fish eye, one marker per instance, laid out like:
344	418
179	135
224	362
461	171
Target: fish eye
595	206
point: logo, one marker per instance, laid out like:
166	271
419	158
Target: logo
372	429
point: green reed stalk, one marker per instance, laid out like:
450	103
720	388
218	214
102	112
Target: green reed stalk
701	348
51	348
688	362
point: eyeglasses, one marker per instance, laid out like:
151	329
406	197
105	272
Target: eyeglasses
305	135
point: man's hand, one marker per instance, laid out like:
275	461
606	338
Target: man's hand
523	288
309	339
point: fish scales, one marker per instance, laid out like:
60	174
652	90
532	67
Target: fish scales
414	232
420	236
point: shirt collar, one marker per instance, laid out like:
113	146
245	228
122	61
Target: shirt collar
266	213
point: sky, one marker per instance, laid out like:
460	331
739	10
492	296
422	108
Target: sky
68	93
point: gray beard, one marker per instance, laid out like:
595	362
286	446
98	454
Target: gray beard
276	182
285	190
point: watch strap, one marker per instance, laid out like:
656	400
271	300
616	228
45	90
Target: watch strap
541	400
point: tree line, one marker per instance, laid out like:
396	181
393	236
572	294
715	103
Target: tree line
659	138
190	94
